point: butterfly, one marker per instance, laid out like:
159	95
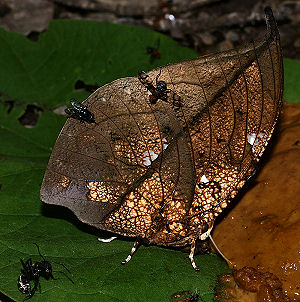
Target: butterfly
161	172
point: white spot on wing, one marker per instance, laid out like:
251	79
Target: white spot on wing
251	138
204	179
260	135
165	145
149	157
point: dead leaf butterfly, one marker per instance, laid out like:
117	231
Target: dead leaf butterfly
159	172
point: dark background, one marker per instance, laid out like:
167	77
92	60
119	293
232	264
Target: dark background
205	25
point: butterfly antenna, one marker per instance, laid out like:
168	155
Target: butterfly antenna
216	247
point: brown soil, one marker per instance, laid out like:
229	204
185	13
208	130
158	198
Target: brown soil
263	229
249	285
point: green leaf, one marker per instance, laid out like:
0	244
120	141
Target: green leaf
291	81
45	73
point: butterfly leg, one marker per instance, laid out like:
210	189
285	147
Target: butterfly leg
191	256
106	240
133	249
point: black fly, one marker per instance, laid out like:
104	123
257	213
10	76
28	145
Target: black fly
33	272
80	112
160	91
153	51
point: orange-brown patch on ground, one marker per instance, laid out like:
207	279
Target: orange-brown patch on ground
263	229
249	285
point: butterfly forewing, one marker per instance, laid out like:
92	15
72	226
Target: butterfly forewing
119	173
163	171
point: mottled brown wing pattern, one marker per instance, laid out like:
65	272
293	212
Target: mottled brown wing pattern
162	171
230	105
119	173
